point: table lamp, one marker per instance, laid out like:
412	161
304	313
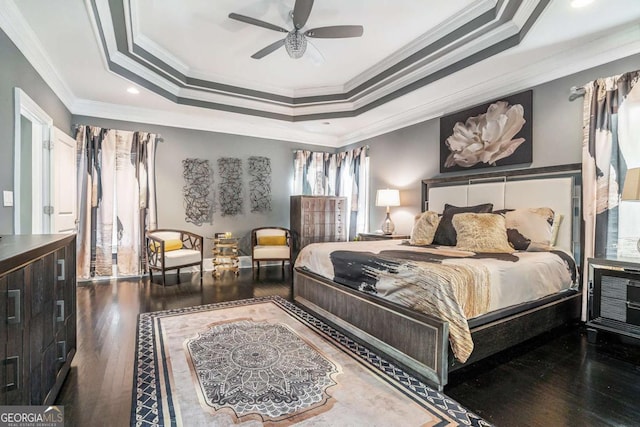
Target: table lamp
388	197
631	189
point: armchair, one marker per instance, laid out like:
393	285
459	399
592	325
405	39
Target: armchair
270	244
173	249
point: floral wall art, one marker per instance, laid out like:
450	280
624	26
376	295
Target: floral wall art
497	133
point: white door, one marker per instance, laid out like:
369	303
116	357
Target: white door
64	185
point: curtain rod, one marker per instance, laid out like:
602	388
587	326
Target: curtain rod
576	92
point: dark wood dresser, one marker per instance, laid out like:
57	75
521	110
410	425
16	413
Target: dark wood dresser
317	219
38	313
614	297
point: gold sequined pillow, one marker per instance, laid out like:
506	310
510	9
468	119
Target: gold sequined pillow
481	232
425	228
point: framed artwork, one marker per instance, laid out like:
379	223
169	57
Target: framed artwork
497	133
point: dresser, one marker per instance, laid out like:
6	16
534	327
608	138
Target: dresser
614	297
37	316
318	219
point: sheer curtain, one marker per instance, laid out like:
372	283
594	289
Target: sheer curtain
336	174
606	154
117	199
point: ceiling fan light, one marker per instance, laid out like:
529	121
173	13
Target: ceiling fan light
296	44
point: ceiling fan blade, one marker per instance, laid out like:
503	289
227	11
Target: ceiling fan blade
267	50
336	32
314	55
254	21
301	11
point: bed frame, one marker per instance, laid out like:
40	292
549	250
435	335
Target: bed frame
420	342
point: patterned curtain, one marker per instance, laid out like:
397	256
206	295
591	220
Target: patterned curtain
336	174
604	165
116	185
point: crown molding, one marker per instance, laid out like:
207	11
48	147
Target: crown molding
459	19
221	122
584	55
18	30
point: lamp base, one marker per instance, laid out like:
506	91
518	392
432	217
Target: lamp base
387	225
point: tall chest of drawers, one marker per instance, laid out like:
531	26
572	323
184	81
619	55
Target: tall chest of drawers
318	219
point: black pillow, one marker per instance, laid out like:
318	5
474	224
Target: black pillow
446	233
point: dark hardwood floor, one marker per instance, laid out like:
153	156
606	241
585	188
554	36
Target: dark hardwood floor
555	380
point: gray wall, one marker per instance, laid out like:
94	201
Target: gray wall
15	71
181	143
402	158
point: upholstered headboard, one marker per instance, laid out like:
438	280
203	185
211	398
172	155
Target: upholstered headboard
555	187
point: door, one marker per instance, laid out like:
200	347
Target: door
64	183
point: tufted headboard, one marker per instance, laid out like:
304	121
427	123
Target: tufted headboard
556	187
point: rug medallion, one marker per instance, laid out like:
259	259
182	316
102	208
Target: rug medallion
259	370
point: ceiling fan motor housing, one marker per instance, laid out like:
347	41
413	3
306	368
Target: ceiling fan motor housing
296	44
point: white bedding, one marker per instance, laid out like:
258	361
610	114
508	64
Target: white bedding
535	275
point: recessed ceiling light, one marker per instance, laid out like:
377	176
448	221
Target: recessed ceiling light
326	123
580	3
133	90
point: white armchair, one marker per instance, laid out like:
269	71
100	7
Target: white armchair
172	250
270	244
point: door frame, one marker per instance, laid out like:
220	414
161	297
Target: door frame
40	164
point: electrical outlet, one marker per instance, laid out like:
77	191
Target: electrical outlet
7	197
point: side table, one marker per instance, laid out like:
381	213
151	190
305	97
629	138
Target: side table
614	297
225	255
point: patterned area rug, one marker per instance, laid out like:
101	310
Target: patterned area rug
266	361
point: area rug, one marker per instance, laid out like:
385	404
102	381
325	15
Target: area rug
265	361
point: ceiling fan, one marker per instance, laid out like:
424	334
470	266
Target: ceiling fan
296	40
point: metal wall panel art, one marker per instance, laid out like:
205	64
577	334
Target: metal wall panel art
230	193
260	184
198	191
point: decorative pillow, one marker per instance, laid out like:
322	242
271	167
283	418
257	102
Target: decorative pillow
272	240
481	232
446	233
555	228
169	245
529	229
424	228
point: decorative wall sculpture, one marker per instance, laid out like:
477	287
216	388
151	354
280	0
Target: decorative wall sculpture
260	184
494	134
230	187
198	191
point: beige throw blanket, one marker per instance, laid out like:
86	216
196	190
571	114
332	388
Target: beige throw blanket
449	292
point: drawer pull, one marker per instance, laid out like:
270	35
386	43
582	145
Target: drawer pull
60	306
15	294
61	264
633	305
15	361
62	345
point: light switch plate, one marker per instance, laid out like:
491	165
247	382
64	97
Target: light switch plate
7	197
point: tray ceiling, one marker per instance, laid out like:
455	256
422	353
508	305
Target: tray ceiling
416	59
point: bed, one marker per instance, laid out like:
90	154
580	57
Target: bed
431	345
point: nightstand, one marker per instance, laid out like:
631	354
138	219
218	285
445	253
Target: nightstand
614	297
379	236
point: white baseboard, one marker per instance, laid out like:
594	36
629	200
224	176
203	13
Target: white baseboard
244	262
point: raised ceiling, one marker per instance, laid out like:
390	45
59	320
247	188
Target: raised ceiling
416	59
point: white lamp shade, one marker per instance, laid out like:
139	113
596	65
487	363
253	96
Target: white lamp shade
631	190
388	197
